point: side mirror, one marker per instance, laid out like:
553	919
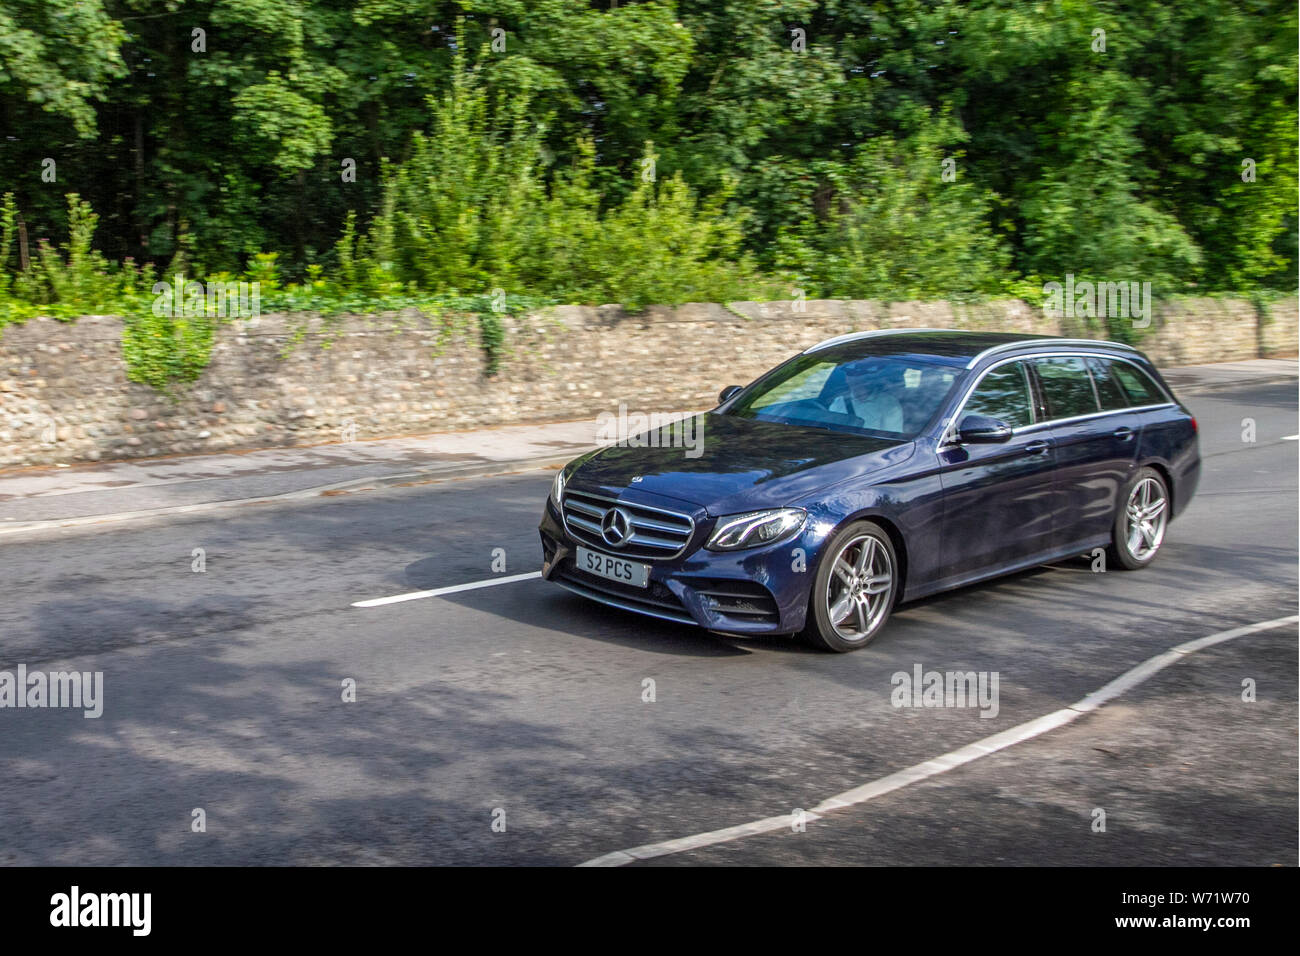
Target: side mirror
982	430
727	392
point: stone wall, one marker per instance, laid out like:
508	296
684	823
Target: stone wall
64	396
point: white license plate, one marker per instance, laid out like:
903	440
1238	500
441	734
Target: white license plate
615	569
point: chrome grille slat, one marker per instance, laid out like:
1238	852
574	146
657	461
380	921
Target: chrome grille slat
652	542
651	524
657	533
586	525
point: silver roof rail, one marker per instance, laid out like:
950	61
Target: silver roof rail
853	336
1022	343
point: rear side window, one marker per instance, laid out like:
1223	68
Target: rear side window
1138	385
1109	390
1003	394
1066	387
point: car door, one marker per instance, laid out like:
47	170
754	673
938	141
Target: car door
998	497
1096	445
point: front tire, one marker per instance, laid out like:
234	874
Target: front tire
854	589
1141	521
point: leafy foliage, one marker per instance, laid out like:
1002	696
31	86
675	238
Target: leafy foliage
849	148
166	351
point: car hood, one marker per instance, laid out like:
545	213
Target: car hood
726	464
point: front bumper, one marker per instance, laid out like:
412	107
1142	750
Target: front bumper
751	592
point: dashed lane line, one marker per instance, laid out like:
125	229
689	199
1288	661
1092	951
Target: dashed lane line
437	592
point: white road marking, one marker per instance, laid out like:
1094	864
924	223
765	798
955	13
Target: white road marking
945	762
1291	437
472	586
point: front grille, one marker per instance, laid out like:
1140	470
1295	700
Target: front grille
736	598
655	532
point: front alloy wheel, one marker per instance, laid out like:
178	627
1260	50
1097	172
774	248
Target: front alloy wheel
1140	526
853	590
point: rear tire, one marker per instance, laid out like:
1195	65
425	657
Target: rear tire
854	589
1140	521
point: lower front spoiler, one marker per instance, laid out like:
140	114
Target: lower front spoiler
556	552
665	614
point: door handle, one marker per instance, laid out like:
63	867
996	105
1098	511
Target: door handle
1124	434
1037	448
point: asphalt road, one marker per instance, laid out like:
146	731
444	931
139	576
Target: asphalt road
524	704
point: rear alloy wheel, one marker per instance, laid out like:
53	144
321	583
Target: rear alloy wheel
853	590
1140	525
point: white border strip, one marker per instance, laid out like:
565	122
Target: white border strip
944	763
472	586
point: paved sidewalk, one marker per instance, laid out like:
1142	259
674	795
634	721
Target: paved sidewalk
51	497
40	497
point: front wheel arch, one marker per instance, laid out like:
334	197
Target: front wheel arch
895	538
874	566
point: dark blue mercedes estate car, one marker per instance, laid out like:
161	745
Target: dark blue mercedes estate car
875	468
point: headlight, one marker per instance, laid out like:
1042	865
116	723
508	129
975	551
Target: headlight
557	489
755	528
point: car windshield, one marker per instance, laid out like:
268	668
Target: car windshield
892	397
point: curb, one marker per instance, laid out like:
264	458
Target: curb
475	470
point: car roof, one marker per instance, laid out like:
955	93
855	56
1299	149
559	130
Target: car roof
954	347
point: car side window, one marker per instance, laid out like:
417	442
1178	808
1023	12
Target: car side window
1138	385
1109	389
1003	394
1066	387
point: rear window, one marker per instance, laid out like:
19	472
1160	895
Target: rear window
1066	387
1109	390
1138	385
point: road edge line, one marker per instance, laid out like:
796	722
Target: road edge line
951	760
